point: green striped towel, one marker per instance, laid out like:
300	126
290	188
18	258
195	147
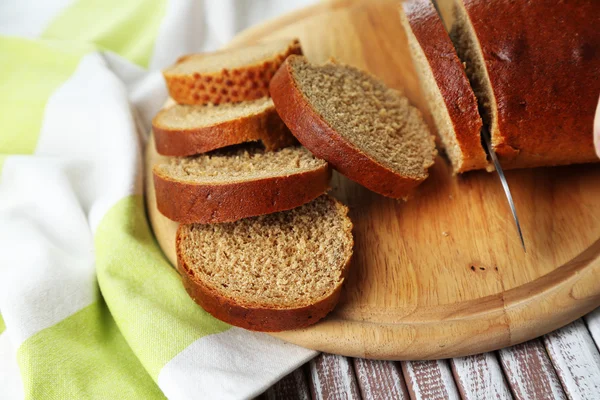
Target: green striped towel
90	307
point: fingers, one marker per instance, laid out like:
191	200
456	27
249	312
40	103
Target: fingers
597	130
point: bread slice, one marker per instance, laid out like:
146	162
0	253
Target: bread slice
228	76
365	130
270	273
535	73
240	182
185	130
445	85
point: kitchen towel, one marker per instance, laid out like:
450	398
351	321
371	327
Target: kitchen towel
89	306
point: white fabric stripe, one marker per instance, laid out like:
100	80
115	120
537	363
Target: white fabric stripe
46	261
29	18
10	378
235	364
89	119
180	32
87	158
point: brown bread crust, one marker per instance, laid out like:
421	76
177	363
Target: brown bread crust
214	203
317	136
228	85
265	126
543	60
451	80
252	316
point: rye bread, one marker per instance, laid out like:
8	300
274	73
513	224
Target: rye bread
270	273
445	86
240	182
185	130
228	76
534	67
365	130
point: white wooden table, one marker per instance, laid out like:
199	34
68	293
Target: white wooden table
564	364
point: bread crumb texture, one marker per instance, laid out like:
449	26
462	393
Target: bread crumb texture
374	118
239	163
284	260
181	116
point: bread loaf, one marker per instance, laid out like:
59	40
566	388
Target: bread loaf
535	69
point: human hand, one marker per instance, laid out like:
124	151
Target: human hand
597	130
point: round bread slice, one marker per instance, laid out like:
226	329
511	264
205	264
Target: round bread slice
226	76
365	130
231	184
185	130
270	273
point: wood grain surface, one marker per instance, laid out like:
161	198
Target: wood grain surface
480	377
430	380
442	275
380	379
530	373
332	378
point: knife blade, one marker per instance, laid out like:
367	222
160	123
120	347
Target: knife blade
487	140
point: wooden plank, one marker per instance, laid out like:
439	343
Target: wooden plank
380	379
480	377
593	323
292	386
530	372
430	380
332	378
576	360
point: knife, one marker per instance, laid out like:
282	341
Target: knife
487	140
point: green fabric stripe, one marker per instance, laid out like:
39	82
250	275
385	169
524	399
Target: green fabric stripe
29	72
144	293
83	357
126	27
2	325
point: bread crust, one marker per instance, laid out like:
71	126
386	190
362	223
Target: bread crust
451	80
265	126
227	85
324	142
543	61
215	203
254	316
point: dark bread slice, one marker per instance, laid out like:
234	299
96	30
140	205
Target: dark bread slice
231	184
185	130
228	76
365	130
445	85
534	67
270	273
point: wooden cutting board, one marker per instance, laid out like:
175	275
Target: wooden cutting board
444	274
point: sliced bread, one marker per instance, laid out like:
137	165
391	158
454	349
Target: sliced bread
445	85
270	273
535	73
184	130
227	76
365	130
235	183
